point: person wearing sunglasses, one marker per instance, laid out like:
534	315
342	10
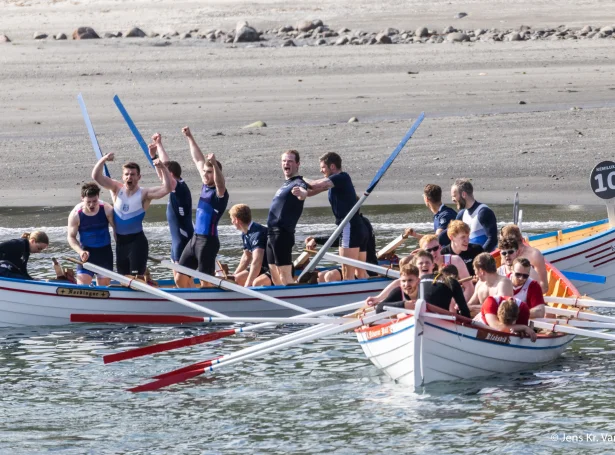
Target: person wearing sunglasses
459	233
526	288
431	244
532	254
509	250
490	284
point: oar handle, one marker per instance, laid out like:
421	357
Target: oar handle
73	260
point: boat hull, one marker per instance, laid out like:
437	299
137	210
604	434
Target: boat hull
38	303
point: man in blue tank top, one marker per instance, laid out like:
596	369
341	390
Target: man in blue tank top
253	269
130	202
179	207
342	196
282	220
201	251
91	219
480	218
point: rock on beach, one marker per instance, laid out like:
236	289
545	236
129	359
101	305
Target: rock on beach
85	33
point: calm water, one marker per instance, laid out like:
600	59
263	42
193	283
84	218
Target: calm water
324	397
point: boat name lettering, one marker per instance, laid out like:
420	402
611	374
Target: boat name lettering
379	332
89	293
489	336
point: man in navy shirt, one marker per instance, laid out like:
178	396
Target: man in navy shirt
253	268
179	207
480	218
202	249
284	214
442	214
342	198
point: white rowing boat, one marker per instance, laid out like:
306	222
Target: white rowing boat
433	345
39	303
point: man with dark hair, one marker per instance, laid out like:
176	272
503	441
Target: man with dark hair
179	207
284	214
527	289
480	218
442	214
343	198
253	268
91	219
130	202
202	249
509	250
489	282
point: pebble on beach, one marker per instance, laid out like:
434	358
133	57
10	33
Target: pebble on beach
85	33
4	39
61	36
245	34
353	120
257	124
135	32
39	35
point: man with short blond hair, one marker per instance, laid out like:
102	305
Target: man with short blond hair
459	234
253	268
489	282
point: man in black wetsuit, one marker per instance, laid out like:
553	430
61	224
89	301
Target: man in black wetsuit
14	254
284	214
343	198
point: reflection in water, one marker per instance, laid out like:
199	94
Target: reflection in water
322	397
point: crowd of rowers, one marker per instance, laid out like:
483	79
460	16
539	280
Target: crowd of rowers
458	249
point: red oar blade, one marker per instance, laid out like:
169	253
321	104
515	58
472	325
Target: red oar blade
167	346
169	380
135	318
194	366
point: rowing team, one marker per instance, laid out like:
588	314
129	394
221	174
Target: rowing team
504	298
267	250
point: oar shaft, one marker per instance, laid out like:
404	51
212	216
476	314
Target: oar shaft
138	285
580	302
362	265
579	314
231	286
577	323
573	330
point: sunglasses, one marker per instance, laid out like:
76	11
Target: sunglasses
507	252
433	249
525	276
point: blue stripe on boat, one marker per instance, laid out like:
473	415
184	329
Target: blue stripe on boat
584	226
543	236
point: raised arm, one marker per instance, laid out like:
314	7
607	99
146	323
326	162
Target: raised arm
219	180
314	187
374	300
195	152
100	178
159	192
157	151
73	229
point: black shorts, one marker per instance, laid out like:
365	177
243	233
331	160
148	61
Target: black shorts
354	235
102	257
263	271
200	253
131	253
178	246
280	248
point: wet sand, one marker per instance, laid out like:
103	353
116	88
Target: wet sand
475	126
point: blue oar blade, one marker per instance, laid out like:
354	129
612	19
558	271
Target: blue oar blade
93	138
391	158
587	277
133	128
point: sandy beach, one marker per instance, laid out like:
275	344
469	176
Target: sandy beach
532	116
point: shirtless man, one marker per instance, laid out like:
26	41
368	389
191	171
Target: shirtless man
530	253
431	244
480	218
253	268
91	219
130	202
509	249
527	289
489	282
284	215
459	233
179	207
343	198
201	251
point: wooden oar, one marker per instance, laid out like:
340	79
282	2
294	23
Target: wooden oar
93	139
169	380
179	319
574	301
578	314
205	338
314	262
577	323
140	286
392	246
219	282
562	327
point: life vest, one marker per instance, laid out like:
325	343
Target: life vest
478	234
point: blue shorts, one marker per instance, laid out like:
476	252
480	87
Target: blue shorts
102	257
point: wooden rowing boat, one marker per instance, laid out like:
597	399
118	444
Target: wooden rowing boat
422	348
25	303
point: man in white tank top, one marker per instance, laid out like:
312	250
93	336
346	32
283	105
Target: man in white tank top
130	202
480	218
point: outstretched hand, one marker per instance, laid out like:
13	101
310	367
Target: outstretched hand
109	157
186	132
